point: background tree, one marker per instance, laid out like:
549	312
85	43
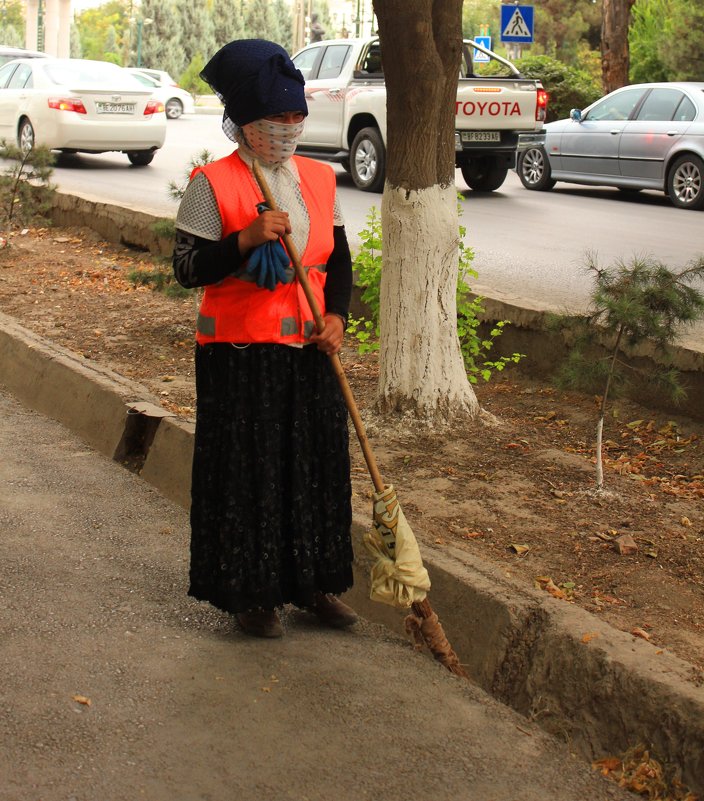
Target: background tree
197	30
421	366
12	27
283	18
161	41
228	23
94	25
11	37
563	27
260	22
75	50
615	23
683	52
647	39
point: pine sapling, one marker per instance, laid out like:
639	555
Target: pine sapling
632	303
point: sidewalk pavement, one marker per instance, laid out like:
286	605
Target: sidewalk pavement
117	686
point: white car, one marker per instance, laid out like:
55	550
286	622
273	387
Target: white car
11	53
76	105
176	101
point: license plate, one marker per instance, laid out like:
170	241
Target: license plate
481	136
115	108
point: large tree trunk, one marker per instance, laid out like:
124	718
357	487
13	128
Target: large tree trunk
616	19
422	371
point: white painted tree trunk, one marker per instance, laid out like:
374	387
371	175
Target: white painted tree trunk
422	371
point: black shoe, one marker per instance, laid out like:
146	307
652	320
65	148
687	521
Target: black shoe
261	623
333	612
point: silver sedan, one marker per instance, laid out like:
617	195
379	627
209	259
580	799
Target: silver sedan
645	136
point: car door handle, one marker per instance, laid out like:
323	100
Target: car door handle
615	131
672	133
335	90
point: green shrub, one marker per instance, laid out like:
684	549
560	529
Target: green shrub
475	349
568	87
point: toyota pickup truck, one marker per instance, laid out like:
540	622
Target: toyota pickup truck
346	120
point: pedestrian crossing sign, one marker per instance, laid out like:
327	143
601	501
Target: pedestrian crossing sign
516	23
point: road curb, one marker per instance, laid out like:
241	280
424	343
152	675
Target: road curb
599	688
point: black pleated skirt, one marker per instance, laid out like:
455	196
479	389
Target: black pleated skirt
271	495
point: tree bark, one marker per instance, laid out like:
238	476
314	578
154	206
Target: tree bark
616	20
422	372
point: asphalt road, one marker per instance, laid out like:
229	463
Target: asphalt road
530	247
117	687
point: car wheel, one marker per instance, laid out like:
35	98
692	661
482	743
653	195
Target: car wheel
25	135
533	169
367	160
484	174
685	182
174	108
140	158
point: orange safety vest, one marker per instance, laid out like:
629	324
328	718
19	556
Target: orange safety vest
236	309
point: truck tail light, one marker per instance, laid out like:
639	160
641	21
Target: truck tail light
541	105
67	104
153	107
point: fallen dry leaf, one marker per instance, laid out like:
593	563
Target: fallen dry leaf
625	545
638	632
589	636
81	699
519	549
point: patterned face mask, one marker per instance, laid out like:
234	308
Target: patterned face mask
272	142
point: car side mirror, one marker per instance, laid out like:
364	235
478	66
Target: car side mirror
576	115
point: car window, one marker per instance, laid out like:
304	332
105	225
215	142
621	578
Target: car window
5	72
686	111
616	106
372	60
334	59
88	73
660	104
306	61
145	79
21	77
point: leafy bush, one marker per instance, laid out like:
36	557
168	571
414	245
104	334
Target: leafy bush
475	349
568	87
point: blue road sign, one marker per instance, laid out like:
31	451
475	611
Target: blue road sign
516	23
477	55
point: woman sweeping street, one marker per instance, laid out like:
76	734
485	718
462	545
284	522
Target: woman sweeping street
271	493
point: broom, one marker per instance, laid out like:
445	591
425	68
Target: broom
423	623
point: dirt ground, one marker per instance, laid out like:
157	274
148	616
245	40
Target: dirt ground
519	494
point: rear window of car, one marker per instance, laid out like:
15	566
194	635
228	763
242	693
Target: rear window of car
94	73
660	105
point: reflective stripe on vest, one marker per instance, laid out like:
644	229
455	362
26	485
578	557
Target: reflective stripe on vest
236	309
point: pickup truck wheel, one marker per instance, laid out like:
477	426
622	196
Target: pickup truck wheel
685	182
484	174
367	160
533	169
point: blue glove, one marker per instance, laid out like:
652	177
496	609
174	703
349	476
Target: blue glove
269	265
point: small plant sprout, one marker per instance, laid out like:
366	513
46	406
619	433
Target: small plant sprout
631	303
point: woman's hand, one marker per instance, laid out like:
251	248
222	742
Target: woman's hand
266	227
330	340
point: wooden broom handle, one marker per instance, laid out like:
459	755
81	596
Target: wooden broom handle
350	402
